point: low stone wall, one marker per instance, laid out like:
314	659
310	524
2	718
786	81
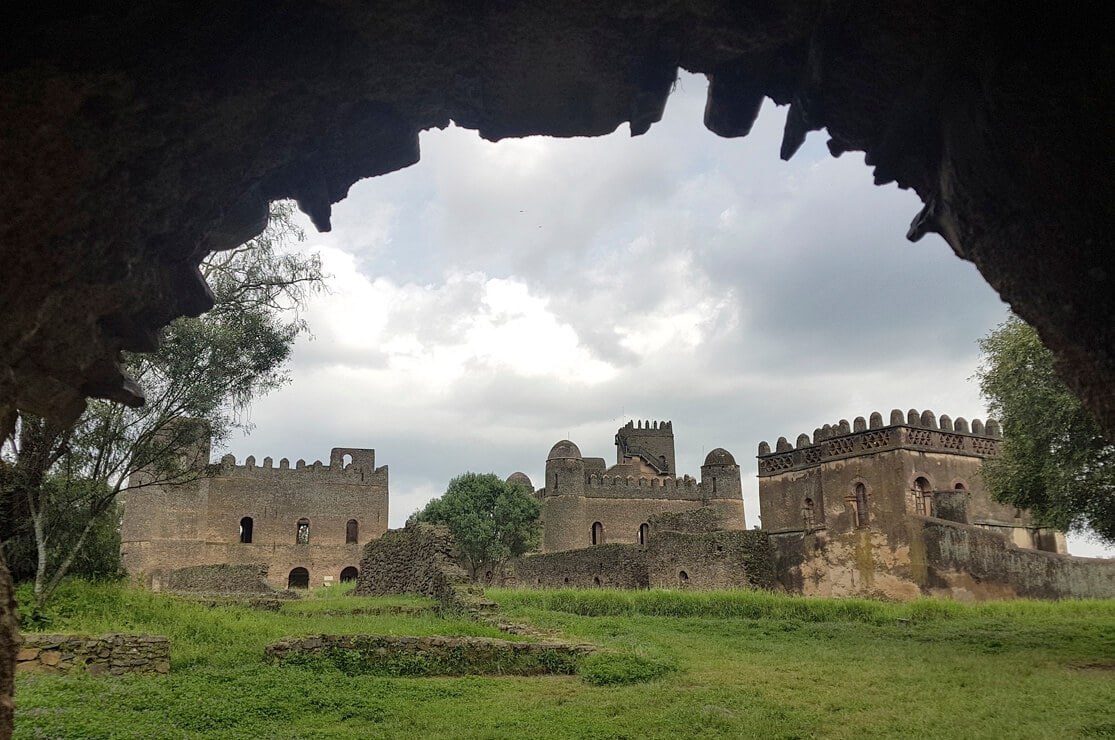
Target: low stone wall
114	654
417	559
429	656
971	563
605	566
225	578
697	559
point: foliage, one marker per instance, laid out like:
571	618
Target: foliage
491	520
1054	458
622	669
57	483
952	671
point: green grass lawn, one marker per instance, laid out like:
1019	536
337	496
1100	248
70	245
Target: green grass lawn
728	664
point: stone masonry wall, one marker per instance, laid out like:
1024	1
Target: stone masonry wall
220	579
606	566
970	563
431	656
417	559
112	654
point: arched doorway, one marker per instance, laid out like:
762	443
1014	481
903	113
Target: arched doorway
349	574
246	530
597	533
298	578
644	532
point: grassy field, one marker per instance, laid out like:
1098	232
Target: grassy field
716	664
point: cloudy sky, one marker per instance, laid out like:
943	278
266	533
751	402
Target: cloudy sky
495	298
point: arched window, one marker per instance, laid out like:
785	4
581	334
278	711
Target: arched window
349	574
683	579
346	460
298	578
861	506
246	530
351	530
596	581
597	533
922	496
960	487
644	532
302	536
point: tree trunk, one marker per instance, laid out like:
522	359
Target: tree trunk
9	626
9	644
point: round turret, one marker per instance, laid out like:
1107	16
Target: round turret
719	456
564	450
522	480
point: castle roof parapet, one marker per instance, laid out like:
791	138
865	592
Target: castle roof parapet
619	486
910	431
249	469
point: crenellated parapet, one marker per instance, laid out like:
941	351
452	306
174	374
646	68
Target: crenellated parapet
350	465
618	486
912	430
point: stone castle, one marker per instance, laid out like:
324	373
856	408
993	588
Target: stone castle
585	503
306	524
892	510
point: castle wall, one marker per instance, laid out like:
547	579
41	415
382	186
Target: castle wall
171	527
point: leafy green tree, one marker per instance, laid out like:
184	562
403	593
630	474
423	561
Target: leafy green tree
58	483
1055	460
491	520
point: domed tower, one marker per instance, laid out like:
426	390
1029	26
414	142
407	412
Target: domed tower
522	480
722	488
563	498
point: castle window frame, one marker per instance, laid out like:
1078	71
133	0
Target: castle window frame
922	489
597	533
302	532
807	514
247	525
644	533
859	501
352	532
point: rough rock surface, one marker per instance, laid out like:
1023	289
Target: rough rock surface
135	137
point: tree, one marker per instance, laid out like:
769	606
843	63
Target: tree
1054	460
58	483
491	520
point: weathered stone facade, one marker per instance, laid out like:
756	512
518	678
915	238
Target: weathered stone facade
586	503
900	510
114	654
304	525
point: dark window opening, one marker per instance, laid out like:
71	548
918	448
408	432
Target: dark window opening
302	536
959	487
683	579
861	506
807	514
351	530
596	580
566	581
246	530
298	578
597	533
349	574
644	531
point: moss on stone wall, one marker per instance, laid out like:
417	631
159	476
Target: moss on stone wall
220	579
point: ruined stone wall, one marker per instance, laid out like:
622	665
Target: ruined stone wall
606	566
710	559
418	559
217	579
432	656
970	563
167	528
113	654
